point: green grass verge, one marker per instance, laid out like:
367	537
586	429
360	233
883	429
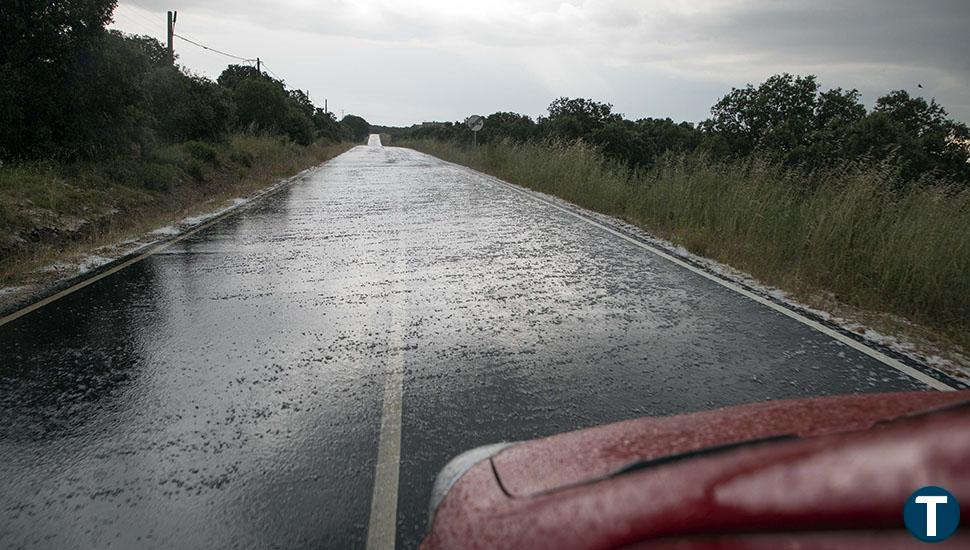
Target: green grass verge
843	234
54	212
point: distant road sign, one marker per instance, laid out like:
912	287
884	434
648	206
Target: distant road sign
475	122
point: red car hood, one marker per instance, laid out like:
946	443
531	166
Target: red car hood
546	464
816	472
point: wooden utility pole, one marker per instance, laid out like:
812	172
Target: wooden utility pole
172	15
259	66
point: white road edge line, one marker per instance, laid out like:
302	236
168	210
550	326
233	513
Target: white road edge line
382	526
152	249
875	354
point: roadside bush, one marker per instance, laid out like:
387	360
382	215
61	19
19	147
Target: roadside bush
202	151
160	177
149	175
260	105
327	127
242	158
188	107
297	126
196	169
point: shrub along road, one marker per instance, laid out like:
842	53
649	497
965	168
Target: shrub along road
297	373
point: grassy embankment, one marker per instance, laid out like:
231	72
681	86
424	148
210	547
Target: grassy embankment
838	239
52	212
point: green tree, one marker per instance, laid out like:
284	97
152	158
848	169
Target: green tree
234	74
355	127
915	114
660	135
264	104
188	107
641	143
297	125
837	111
39	43
777	116
577	118
105	108
261	105
620	141
511	126
917	133
47	33
838	107
326	125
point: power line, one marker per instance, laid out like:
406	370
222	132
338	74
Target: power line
204	47
133	24
270	71
259	63
146	20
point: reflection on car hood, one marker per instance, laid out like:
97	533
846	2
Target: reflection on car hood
544	465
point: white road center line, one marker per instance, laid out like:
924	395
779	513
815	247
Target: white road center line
875	354
381	530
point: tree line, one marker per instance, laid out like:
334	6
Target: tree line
73	90
787	118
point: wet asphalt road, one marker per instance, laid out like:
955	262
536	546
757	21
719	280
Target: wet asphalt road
228	391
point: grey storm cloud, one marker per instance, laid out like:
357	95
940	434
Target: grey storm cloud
932	33
651	58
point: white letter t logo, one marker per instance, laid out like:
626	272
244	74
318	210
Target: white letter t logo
931	503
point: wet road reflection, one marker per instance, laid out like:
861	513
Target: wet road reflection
229	390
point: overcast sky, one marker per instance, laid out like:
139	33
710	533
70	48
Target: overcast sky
399	62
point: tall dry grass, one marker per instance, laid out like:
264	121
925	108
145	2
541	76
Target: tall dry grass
847	231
